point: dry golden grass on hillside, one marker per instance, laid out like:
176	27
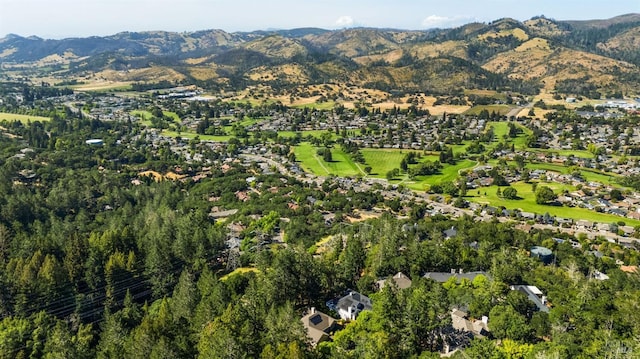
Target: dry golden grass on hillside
626	41
8	52
447	48
535	60
517	33
196	60
204	72
157	73
347	96
538	113
372	44
426	103
547	97
276	46
544	27
159	177
293	73
534	44
389	57
53	59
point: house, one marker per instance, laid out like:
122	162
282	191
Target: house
584	224
94	142
489	211
534	294
460	321
450	233
603	227
350	306
564	221
599	275
627	230
629	243
528	215
401	280
318	326
634	215
544	254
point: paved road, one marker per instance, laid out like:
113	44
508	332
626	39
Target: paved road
514	112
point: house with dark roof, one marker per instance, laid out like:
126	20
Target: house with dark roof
350	306
318	326
450	233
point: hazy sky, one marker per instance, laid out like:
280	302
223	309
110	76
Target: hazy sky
72	18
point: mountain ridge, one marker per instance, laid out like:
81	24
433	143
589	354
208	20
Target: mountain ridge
502	54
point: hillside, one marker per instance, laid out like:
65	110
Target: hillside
590	58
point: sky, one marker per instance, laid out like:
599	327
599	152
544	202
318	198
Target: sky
80	18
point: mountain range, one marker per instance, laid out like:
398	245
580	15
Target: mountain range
587	58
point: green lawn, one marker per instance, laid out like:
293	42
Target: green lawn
520	142
4	116
191	135
449	172
500	129
145	116
317	106
172	115
341	165
460	148
382	160
527	203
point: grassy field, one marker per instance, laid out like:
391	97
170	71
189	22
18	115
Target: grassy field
501	131
143	114
4	116
448	173
316	105
460	148
172	115
146	116
191	135
341	165
382	160
527	203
